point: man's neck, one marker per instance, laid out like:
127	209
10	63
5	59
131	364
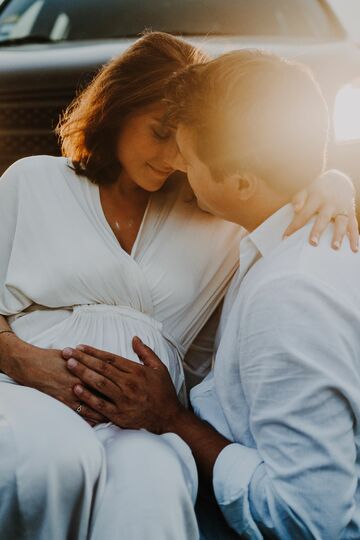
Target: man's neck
254	217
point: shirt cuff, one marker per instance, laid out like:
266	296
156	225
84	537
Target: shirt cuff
233	470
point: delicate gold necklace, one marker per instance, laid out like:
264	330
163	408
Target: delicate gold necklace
128	225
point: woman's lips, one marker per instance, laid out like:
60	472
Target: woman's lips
160	172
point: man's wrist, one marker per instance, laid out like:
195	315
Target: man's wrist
204	441
176	419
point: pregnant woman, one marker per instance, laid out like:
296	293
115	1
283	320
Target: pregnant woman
96	247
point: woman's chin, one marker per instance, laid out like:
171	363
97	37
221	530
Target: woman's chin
203	207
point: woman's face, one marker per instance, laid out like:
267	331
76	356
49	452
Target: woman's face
146	148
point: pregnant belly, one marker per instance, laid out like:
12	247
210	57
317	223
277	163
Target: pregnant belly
110	328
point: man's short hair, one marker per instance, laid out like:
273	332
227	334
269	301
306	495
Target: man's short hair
254	113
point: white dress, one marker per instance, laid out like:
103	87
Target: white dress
65	280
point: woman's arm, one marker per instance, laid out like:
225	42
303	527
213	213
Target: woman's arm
28	365
42	369
330	197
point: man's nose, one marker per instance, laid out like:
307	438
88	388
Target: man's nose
179	163
175	159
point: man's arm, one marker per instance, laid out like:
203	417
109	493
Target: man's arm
297	372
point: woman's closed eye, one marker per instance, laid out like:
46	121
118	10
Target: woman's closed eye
162	133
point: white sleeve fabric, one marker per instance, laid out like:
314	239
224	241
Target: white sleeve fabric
12	301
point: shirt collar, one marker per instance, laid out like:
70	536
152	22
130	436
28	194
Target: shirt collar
270	233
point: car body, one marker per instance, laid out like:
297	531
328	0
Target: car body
39	79
348	13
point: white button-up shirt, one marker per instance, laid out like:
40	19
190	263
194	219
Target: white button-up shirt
286	390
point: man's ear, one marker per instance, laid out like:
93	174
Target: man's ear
246	184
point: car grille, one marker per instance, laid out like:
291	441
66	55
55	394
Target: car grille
27	124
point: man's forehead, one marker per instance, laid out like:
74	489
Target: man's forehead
185	138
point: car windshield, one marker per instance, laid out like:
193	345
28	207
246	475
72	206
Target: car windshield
70	20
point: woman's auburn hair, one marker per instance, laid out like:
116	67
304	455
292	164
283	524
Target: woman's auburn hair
90	126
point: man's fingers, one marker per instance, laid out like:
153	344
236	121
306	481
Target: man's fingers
103	381
146	355
119	362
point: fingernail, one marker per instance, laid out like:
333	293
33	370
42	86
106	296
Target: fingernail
78	389
138	340
314	240
285	237
336	245
72	363
67	351
81	347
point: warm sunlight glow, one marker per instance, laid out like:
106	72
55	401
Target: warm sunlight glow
347	113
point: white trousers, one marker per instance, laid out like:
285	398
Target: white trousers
62	480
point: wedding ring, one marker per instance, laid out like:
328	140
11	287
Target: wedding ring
78	410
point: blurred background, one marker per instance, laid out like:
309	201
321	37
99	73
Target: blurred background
50	49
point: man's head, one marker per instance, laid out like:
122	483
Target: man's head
252	129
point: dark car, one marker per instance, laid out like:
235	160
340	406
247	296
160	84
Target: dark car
50	49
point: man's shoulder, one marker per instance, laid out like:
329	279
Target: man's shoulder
296	263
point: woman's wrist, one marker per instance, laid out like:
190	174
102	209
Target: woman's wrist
14	356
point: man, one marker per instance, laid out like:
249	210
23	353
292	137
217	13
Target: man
279	415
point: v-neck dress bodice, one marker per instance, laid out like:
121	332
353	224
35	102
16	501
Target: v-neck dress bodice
65	280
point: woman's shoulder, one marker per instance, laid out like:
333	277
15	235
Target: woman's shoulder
37	171
35	165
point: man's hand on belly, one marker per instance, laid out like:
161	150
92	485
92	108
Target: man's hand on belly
134	395
142	396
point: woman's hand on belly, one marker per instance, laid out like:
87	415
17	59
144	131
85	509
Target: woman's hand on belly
45	370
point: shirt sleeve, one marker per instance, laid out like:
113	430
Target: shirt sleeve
12	300
297	352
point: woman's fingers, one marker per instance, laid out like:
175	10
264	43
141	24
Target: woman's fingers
331	196
322	221
340	229
304	215
91	416
353	232
299	200
96	403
